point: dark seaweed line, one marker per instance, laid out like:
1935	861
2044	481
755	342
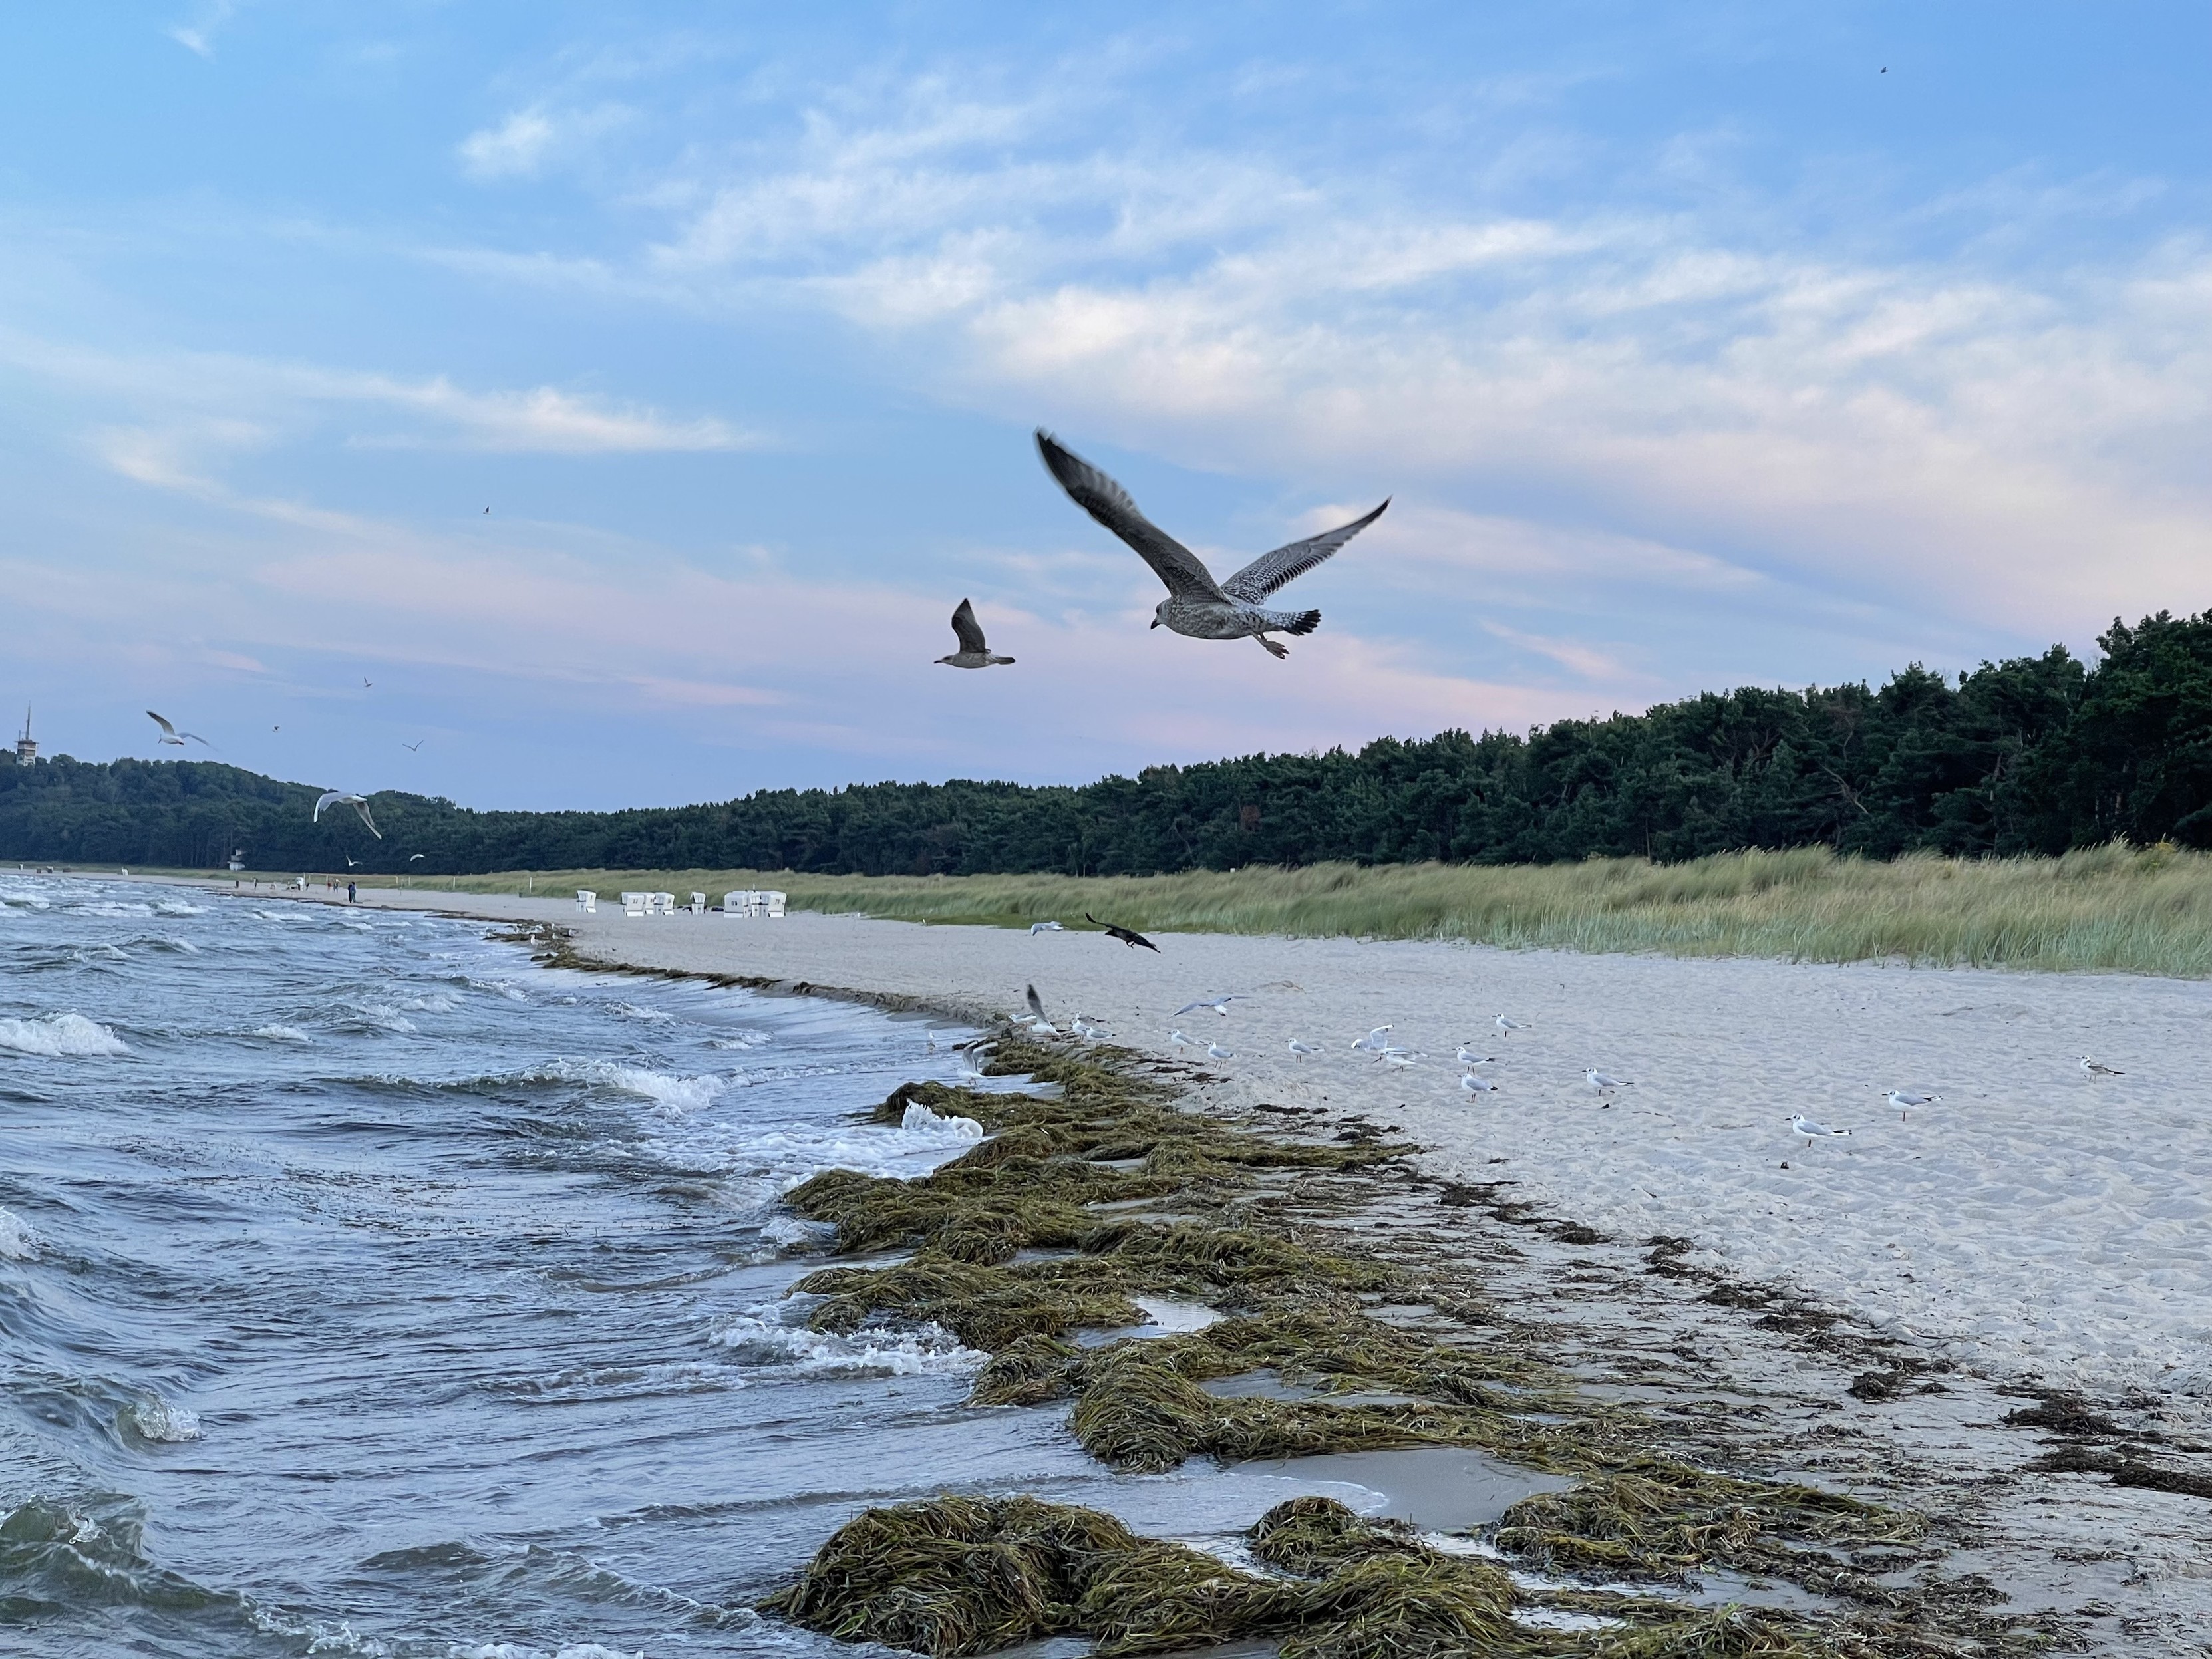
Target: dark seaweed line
969	1576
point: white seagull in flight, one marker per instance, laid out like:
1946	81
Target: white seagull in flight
170	734
359	803
1196	604
1217	1004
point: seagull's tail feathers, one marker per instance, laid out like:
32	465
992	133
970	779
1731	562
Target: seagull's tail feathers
1302	622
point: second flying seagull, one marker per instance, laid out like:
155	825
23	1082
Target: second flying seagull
1196	604
973	652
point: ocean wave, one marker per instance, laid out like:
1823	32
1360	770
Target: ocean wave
152	1418
109	908
775	1336
920	1120
174	907
591	1383
431	1002
376	1016
28	900
56	1035
675	1093
740	1040
17	1242
631	1011
282	1034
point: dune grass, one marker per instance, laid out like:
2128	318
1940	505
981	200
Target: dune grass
2114	908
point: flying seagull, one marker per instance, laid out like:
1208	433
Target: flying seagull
1196	604
414	747
411	857
1212	1004
359	803
1036	1012
973	652
366	683
1133	940
1037	927
170	734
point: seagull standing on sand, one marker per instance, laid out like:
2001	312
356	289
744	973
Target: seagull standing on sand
1037	927
1800	1124
1215	1051
973	652
1399	1057
1196	604
1509	1025
1303	1048
1603	1083
2097	1068
1467	1056
1905	1103
170	734
1180	1041
1478	1085
359	803
1217	1004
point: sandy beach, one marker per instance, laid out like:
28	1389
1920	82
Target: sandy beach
2038	1232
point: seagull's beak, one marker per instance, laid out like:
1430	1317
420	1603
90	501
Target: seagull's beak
1155	622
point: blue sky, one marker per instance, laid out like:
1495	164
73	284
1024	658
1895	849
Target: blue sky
1693	350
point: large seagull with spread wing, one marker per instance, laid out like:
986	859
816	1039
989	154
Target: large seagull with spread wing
1196	604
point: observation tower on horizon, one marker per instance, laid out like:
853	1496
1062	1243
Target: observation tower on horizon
26	746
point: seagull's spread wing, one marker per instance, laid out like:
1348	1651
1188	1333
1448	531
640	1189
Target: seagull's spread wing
197	739
1036	1002
1273	570
361	807
968	630
328	796
164	725
1108	502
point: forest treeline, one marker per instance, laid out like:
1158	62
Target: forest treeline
2032	754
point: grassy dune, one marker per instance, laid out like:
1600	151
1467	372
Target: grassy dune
2112	908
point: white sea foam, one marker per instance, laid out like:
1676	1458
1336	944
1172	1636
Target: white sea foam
788	1231
59	1035
631	1011
282	1034
775	1336
675	1093
740	1040
112	908
431	1002
382	1015
174	907
17	1242
920	1120
153	1418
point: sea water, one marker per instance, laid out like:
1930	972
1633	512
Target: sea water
367	1289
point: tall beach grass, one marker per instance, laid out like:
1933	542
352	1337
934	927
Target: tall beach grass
2112	909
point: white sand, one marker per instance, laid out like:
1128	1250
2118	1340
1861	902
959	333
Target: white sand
2035	1224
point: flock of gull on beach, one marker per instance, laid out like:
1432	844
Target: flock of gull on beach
1377	1047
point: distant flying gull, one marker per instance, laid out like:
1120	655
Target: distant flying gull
413	747
359	803
1131	939
170	734
1298	1048
2098	1069
1196	604
411	857
1216	1005
351	863
365	682
1373	1041
1905	1103
1478	1085
1467	1056
1601	1082
973	652
1800	1124
1215	1051
1037	927
1506	1025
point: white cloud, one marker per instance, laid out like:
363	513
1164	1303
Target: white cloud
530	140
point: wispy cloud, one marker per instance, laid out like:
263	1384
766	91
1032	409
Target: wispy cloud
529	141
198	36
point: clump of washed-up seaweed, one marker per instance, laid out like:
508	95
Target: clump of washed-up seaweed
1091	1196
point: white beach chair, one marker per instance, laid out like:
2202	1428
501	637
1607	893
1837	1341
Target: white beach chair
737	903
774	902
698	905
587	901
636	904
664	904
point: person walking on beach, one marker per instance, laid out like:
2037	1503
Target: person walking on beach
352	896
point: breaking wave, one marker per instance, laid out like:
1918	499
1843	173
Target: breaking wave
57	1036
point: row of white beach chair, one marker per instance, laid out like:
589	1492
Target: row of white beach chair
740	901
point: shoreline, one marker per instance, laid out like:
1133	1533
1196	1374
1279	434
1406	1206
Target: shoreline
1828	1393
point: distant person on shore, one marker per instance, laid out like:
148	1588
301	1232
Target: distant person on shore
352	896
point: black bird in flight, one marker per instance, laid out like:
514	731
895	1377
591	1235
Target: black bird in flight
1133	940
